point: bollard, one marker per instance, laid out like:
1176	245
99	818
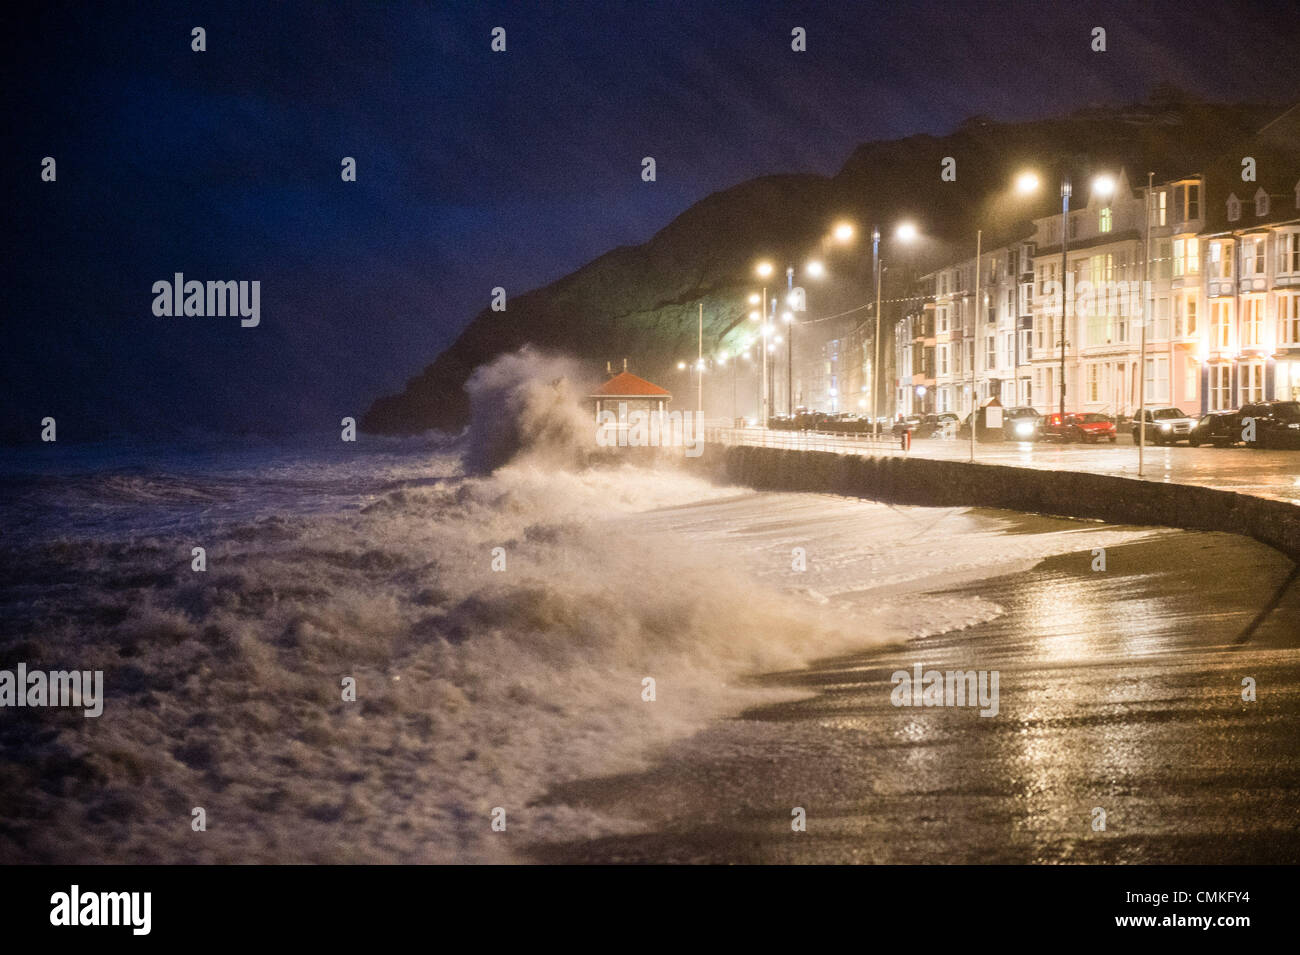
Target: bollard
907	439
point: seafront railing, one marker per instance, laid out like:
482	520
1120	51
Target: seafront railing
837	442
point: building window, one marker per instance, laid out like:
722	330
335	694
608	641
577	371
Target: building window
1288	252
1252	381
1252	255
1094	382
1187	257
1187	201
990	352
1189	379
1104	224
1252	321
1234	208
1288	310
1192	326
1261	203
1164	259
1221	325
1074	227
941	353
1158	211
1157	380
1220	387
1220	260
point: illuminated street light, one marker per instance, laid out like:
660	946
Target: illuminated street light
1026	183
681	366
843	232
753	316
787	317
753	299
764	269
1103	186
816	269
905	232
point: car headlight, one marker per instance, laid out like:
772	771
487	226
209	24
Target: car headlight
1024	427
1164	427
1295	425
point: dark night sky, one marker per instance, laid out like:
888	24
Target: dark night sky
475	169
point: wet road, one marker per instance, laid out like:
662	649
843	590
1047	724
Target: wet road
1119	691
1271	474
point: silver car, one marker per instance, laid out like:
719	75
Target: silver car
1164	425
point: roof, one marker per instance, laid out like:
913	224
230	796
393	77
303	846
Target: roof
628	385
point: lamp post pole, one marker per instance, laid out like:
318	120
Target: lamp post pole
974	349
699	363
875	367
1142	361
1065	241
763	364
789	346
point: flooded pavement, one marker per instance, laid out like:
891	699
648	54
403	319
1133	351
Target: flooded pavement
1119	692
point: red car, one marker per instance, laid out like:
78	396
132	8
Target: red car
1089	427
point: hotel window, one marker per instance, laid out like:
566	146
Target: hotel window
1094	382
1074	227
1187	201
1191	326
1158	211
1164	259
1220	387
1288	252
1026	344
1252	255
990	352
1252	321
1288	310
1189	379
942	317
1161	329
1220	260
1261	203
1234	208
1105	223
1252	381
1157	379
941	354
1187	257
1221	325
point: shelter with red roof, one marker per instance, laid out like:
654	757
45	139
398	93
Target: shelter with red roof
626	389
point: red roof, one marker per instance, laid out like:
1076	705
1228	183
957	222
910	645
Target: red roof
628	385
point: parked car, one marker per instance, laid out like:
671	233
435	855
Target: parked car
1164	425
937	426
1020	424
1219	428
1089	427
1277	423
909	423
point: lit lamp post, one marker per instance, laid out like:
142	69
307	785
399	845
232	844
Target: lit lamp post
905	233
1103	186
764	270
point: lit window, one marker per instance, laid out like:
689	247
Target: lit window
1105	223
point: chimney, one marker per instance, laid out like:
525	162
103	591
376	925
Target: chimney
609	369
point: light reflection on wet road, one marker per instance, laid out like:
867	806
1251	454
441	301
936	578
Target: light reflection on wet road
1120	691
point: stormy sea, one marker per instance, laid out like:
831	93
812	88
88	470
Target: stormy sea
515	615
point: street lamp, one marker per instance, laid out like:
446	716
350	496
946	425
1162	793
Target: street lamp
763	270
904	232
1102	185
843	232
